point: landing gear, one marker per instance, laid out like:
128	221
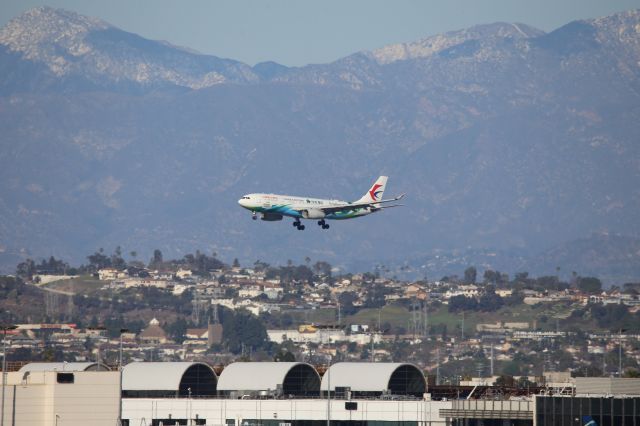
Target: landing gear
298	225
254	216
323	224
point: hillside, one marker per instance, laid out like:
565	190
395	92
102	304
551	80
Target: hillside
504	137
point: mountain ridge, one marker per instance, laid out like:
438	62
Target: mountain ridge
505	140
71	44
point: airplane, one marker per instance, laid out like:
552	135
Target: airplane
274	207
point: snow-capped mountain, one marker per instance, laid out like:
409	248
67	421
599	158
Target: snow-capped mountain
72	46
502	135
432	45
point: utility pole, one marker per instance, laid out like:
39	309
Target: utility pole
328	373
195	313
426	319
414	318
70	302
4	365
491	359
372	347
437	366
215	313
122	330
189	421
462	328
620	353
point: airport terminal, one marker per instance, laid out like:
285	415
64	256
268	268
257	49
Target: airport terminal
295	394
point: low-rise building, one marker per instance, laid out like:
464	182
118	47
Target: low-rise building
61	394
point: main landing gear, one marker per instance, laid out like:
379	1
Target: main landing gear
300	226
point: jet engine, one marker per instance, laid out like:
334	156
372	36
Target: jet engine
271	217
313	214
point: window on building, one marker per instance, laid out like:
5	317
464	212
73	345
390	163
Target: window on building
65	378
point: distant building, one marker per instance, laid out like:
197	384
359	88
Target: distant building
184	273
204	336
503	292
153	333
500	327
108	274
196	333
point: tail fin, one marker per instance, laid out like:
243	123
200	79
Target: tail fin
375	192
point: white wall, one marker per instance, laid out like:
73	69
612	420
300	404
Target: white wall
91	400
217	411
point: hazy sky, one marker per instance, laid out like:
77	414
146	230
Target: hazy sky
297	32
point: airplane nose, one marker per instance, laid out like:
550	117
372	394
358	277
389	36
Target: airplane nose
243	202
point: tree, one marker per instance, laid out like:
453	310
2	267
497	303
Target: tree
589	284
322	269
242	328
177	329
524	383
462	303
98	260
156	260
375	296
26	269
614	317
490	276
200	264
284	356
346	300
52	266
470	275
236	263
259	265
11	287
490	301
505	381
116	259
632	373
551	282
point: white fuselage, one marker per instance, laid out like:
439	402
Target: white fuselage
298	207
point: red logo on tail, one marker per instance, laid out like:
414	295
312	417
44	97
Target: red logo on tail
373	193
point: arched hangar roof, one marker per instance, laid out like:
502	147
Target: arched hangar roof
63	366
169	376
398	378
295	378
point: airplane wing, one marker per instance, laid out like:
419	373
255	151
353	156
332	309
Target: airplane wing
354	206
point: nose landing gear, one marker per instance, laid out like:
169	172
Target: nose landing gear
323	224
254	216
